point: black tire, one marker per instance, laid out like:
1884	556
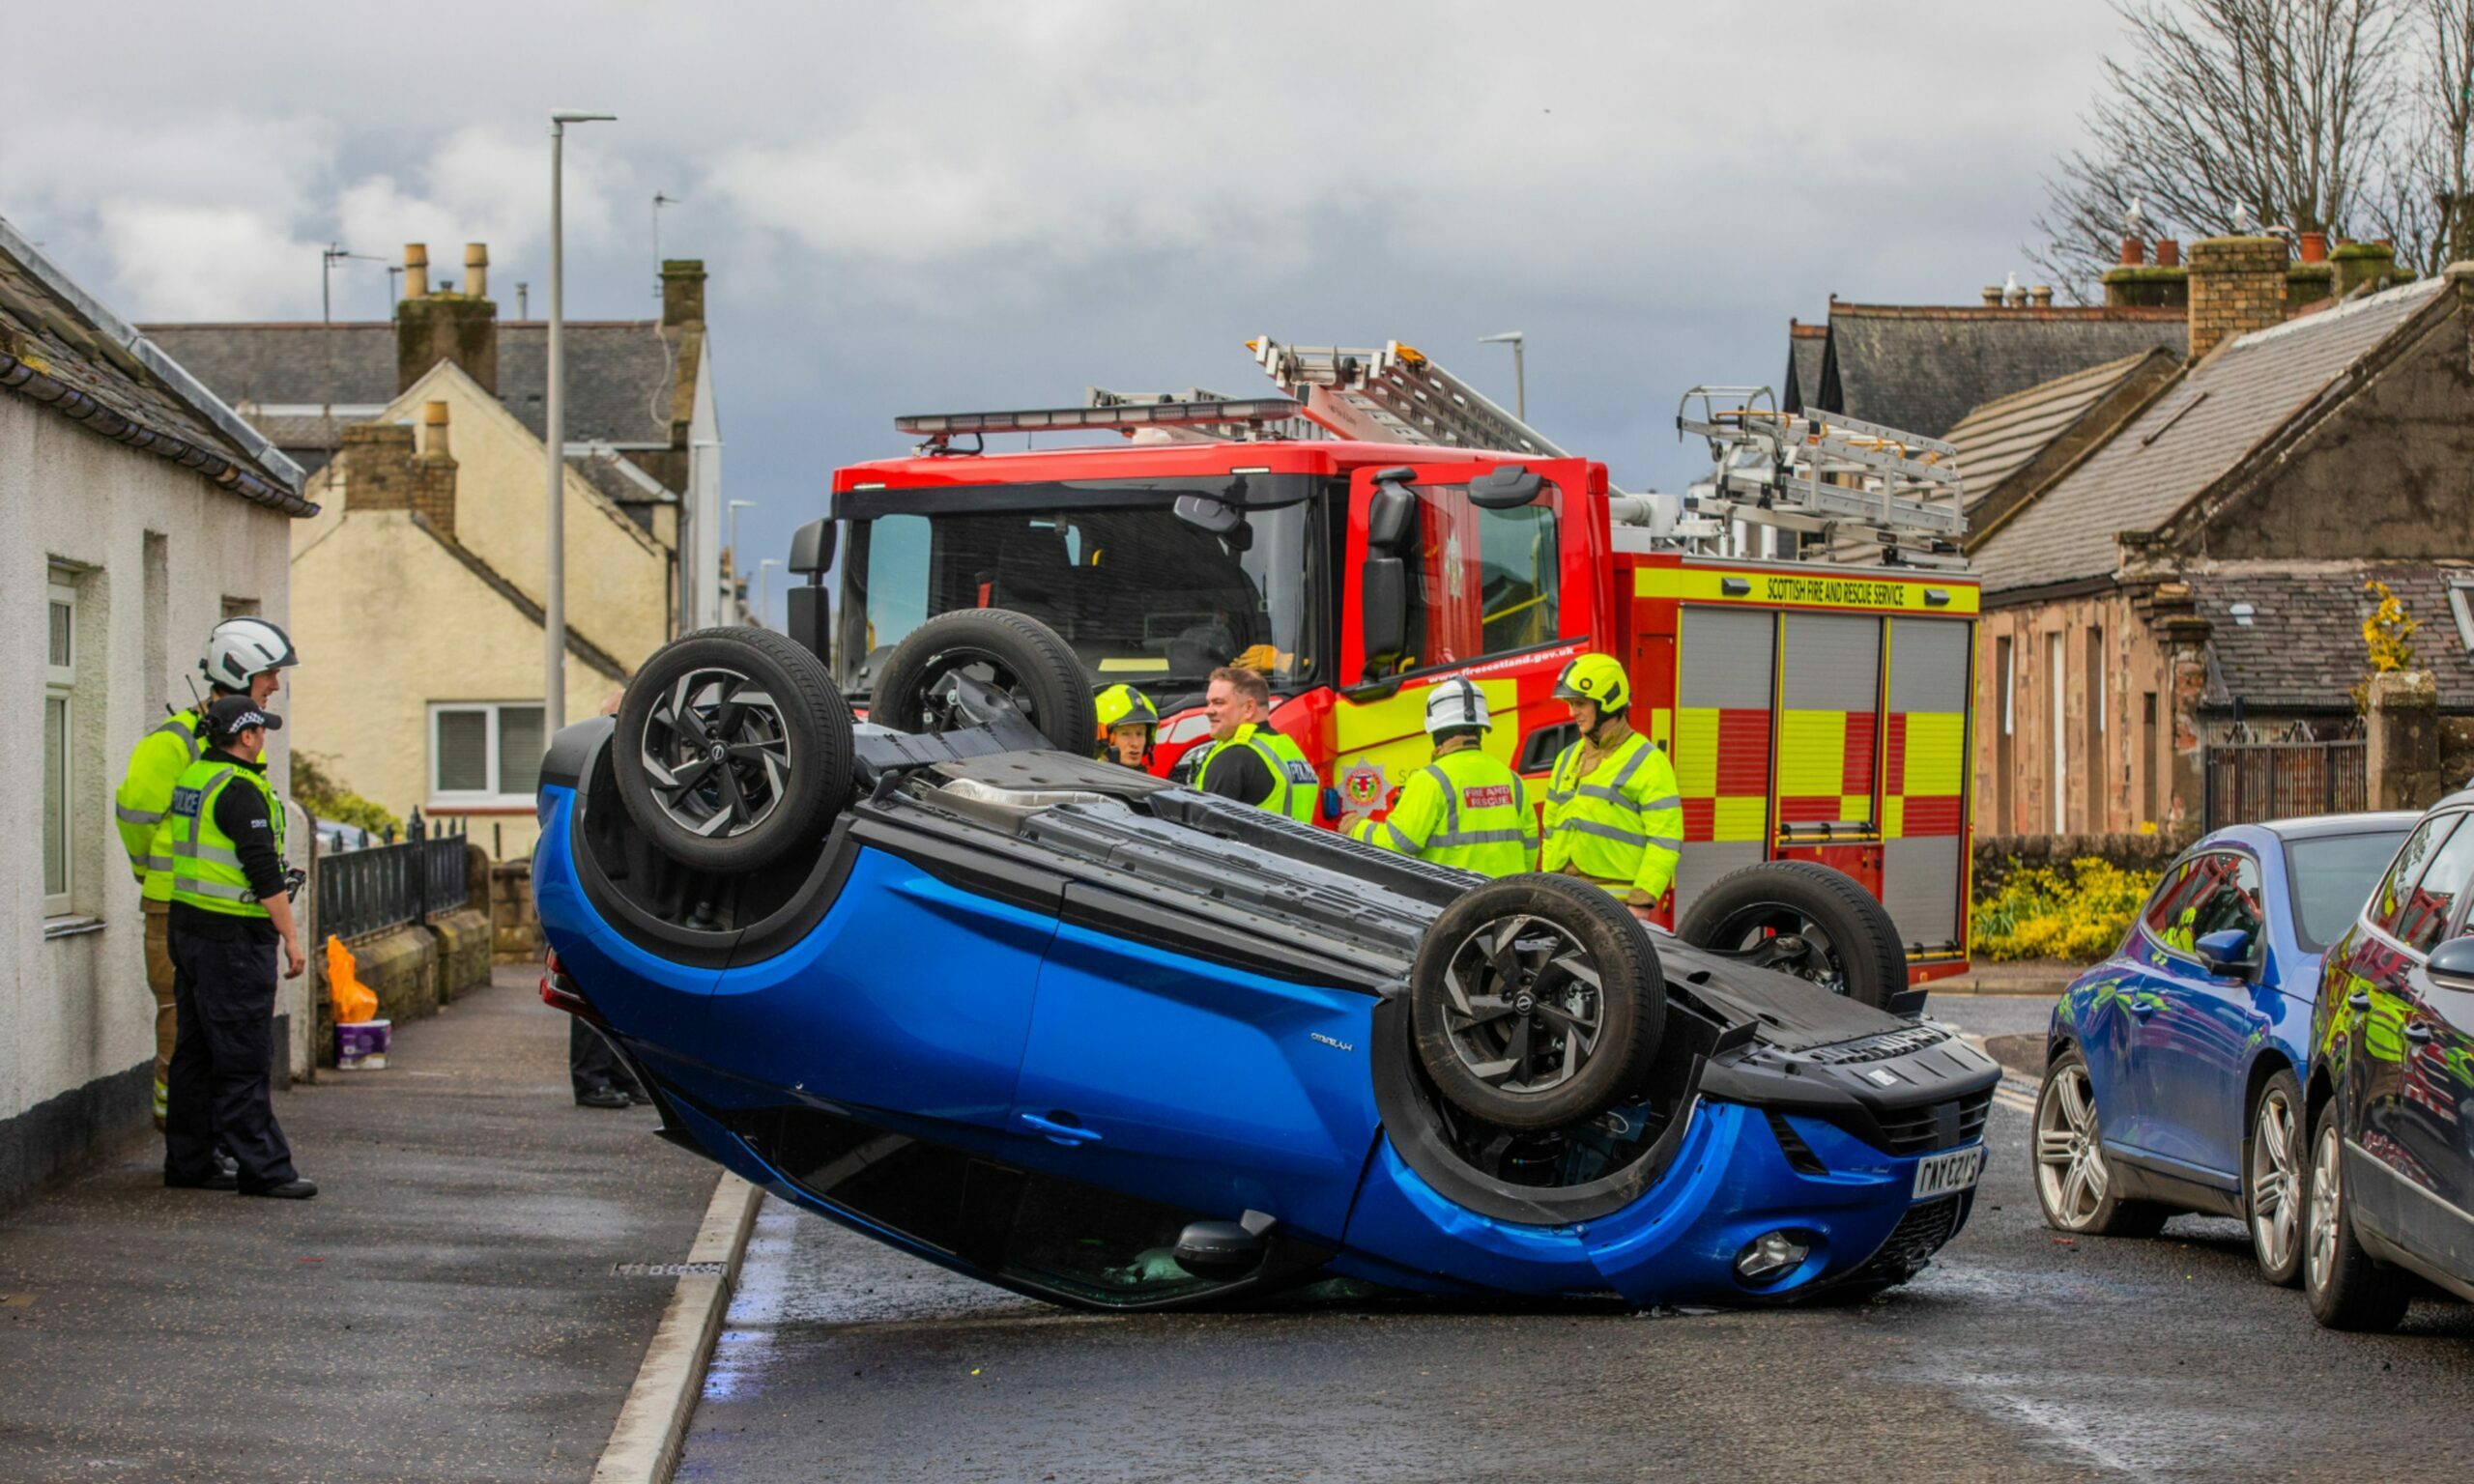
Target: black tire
2346	1288
2275	1148
786	730
1802	919
2065	1149
1464	1034
1013	651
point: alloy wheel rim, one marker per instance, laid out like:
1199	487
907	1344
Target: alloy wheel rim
1772	935
1523	1006
2071	1176
2276	1182
2323	1208
718	753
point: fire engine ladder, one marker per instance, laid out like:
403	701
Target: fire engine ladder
1198	413
1394	395
1826	472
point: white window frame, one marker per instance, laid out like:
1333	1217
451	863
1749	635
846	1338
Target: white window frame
2460	607
492	797
60	682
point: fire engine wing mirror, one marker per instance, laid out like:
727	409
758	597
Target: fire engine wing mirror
1507	488
812	546
1389	513
1383	594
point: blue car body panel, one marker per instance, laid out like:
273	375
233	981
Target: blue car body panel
939	1013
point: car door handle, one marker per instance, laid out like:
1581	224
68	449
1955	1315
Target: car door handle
1055	1132
2359	1000
2418	1032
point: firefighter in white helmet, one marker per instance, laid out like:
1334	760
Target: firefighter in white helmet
243	657
1466	808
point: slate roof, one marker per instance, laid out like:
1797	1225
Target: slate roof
1995	439
62	349
2192	435
619	374
1922	368
1806	345
2302	648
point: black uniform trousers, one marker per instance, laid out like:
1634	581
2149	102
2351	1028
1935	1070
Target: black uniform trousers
594	1063
221	1091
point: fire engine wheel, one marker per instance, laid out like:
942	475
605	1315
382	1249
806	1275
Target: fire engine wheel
1535	1002
733	746
1010	652
1802	919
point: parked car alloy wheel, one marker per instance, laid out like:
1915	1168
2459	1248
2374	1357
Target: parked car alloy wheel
2074	1185
2346	1289
2272	1180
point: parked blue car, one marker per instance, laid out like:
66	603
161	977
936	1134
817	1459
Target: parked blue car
2173	1069
1059	1025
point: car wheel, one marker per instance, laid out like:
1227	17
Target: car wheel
732	747
2272	1182
2346	1289
1803	919
2073	1182
1535	1001
1011	652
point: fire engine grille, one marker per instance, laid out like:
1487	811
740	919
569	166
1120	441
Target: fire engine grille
1879	1048
1931	1125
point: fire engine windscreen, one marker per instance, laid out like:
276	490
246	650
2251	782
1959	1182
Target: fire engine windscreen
1144	596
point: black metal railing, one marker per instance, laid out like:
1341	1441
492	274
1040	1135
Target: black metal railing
368	891
2249	782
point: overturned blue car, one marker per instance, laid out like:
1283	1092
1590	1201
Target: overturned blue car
1061	1026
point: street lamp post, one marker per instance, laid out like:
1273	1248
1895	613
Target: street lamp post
763	590
554	597
1519	373
737	571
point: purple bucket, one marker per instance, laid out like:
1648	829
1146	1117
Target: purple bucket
362	1048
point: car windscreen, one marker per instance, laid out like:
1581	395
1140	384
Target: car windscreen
1143	596
2329	876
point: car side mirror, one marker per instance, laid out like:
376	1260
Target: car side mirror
1384	607
1506	488
2451	965
812	547
2227	954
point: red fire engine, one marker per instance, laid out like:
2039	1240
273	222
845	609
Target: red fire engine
1356	555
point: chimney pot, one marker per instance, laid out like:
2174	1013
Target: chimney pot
476	269
2135	252
2041	296
2169	253
416	269
1993	295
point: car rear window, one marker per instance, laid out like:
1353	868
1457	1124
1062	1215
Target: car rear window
2330	876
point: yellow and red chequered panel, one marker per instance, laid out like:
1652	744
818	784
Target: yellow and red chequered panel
1722	769
1824	766
1921	769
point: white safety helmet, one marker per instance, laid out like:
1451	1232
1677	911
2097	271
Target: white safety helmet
1455	702
242	647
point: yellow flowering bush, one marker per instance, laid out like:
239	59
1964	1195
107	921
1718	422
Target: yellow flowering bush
2388	634
2078	912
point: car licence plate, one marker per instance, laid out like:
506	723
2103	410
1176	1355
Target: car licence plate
1942	1174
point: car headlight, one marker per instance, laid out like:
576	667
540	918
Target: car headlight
1769	1257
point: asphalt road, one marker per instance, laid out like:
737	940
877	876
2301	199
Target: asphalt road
2016	1355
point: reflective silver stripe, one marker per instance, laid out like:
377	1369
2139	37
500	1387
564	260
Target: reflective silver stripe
1653	806
128	816
1632	764
1663	842
197	888
1451	799
189	738
190	849
1399	842
1605	794
1605	831
1559	796
159	863
1477	838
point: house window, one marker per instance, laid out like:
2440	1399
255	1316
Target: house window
484	753
59	717
2460	605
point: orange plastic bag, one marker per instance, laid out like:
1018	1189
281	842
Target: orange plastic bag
355	1001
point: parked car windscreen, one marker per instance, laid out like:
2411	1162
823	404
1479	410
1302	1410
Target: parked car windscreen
2329	876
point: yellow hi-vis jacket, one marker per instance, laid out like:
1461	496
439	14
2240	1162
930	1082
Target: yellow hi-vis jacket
206	863
1621	824
1294	785
142	806
1464	808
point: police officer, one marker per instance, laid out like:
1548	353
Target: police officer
231	906
1464	808
1248	760
1128	722
243	657
1614	815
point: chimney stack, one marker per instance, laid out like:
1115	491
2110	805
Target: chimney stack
2169	253
434	430
2237	285
433	492
447	326
682	292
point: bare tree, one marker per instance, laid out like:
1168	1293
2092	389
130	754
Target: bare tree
2426	205
2227	115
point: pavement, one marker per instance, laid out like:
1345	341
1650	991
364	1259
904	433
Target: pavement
2018	1354
448	1309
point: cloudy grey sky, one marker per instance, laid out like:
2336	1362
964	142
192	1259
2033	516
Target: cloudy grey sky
935	205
